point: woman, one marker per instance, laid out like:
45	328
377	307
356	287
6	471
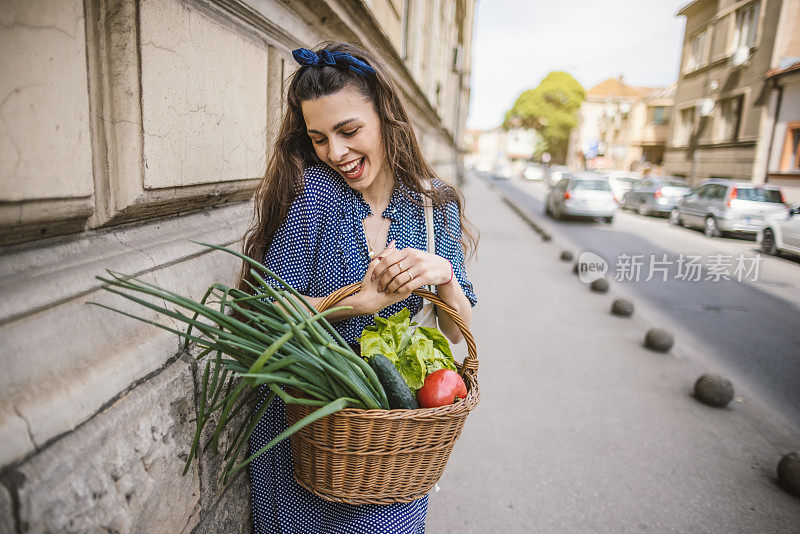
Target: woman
347	177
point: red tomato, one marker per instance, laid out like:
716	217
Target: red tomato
441	388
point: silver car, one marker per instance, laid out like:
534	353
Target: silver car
581	196
622	181
719	206
655	195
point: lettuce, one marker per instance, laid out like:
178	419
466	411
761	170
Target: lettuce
415	351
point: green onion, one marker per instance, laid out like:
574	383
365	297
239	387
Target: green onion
281	340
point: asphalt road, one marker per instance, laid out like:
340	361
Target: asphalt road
579	427
751	328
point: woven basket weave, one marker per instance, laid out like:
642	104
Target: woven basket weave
381	456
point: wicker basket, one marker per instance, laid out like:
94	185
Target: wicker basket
381	456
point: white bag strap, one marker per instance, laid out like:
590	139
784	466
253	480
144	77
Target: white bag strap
429	229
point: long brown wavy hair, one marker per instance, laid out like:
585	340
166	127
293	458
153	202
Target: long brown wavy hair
293	151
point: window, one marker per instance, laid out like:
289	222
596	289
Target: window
790	159
659	115
697	51
746	26
718	191
683	131
759	195
729	119
591	185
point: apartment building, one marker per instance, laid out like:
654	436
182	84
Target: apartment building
130	127
721	122
621	126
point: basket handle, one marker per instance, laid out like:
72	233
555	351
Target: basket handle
470	362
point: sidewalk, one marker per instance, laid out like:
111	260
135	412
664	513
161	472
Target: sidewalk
582	429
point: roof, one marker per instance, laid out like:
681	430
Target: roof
614	87
688	7
662	92
778	71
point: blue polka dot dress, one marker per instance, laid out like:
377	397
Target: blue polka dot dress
319	248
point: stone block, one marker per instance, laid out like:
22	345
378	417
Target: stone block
121	470
6	514
58	351
230	512
211	463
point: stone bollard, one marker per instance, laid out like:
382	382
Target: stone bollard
566	255
575	268
600	285
622	308
658	339
714	390
546	237
789	473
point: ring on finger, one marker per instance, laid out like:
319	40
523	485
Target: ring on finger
399	264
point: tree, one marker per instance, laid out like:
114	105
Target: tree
551	109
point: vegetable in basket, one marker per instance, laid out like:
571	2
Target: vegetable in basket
441	388
416	351
272	338
397	391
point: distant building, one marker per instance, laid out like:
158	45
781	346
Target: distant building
499	150
783	128
726	105
621	126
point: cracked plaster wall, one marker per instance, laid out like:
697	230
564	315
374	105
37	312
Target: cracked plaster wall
45	149
204	98
93	404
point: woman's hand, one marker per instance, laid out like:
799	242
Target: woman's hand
402	271
371	299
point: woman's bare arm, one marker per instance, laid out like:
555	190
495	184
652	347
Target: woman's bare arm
355	301
454	296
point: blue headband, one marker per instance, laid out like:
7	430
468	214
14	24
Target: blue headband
308	58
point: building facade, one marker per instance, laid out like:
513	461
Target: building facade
783	128
621	127
129	127
499	150
721	122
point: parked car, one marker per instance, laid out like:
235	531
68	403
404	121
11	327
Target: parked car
719	206
622	181
781	232
585	195
533	172
503	172
556	173
655	195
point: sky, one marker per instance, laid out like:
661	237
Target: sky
517	42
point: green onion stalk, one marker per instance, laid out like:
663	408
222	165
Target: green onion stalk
271	338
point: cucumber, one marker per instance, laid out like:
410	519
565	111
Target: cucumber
397	391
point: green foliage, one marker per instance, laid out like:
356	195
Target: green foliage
551	109
416	351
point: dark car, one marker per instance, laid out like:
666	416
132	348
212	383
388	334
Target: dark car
655	195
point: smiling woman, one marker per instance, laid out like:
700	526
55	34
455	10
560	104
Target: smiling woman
342	202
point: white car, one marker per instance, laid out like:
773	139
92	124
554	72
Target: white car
585	195
533	173
781	233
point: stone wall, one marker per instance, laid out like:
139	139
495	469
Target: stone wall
128	128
